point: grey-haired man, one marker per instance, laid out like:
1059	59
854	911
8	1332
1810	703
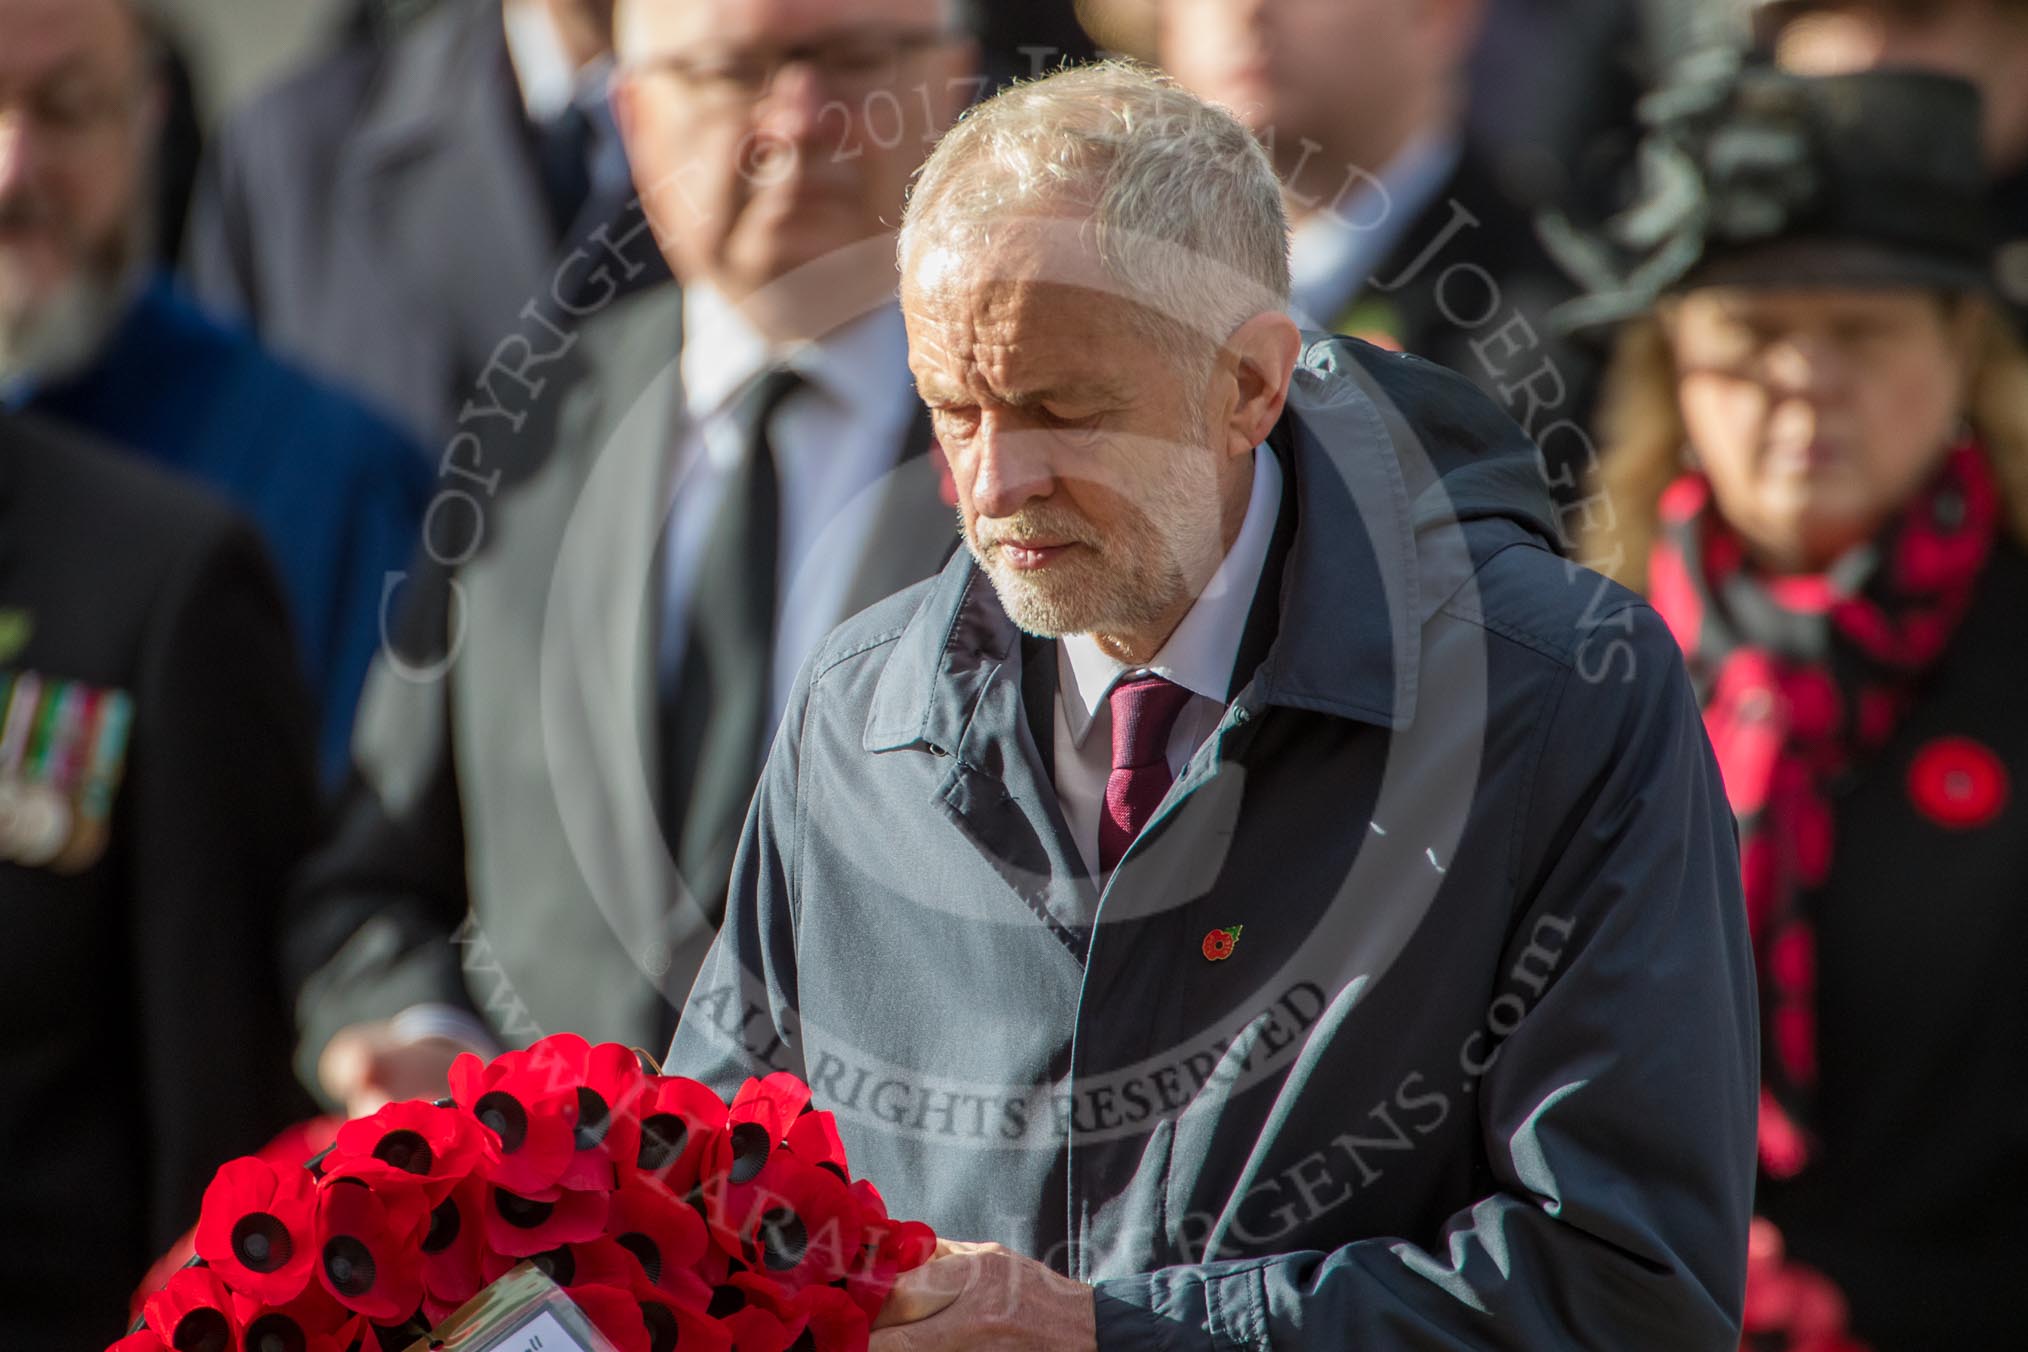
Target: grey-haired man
1259	884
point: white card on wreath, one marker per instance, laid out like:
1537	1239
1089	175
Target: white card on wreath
522	1312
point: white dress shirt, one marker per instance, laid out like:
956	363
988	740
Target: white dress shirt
835	440
1333	253
1199	657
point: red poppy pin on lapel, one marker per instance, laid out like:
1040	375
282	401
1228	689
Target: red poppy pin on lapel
1218	944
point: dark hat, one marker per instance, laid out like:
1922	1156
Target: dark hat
1753	176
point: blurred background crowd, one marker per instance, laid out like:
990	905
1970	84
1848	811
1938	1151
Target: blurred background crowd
433	432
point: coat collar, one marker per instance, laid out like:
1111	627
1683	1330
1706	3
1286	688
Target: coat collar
1351	589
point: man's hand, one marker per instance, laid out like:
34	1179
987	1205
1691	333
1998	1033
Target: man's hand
982	1296
368	1065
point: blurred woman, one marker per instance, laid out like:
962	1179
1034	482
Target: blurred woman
1814	461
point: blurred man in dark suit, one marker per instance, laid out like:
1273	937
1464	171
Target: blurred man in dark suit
385	214
91	334
1403	234
557	756
155	787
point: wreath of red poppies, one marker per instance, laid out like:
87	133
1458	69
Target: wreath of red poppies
672	1218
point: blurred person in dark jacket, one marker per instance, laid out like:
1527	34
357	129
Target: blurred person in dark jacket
92	334
557	753
156	785
1404	232
385	213
1984	41
1815	464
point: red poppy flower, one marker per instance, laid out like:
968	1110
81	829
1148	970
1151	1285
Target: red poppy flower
888	1249
607	1084
814	1139
757	1312
312	1322
742	1157
369	1246
665	1235
530	1115
797	1222
522	1226
454	1249
194	1313
678	1119
615	1313
438	1146
255	1226
1958	783
681	1324
1218	944
832	1321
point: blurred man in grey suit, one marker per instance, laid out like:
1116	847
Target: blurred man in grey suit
383	214
555	757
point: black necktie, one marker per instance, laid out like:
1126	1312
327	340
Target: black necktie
717	714
563	157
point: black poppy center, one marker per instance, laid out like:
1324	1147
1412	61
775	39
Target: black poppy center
274	1333
593	1120
662	1138
521	1212
261	1242
662	1330
445	1223
349	1265
203	1330
805	1342
646	1252
750	1147
726	1301
558	1264
784	1239
503	1115
406	1151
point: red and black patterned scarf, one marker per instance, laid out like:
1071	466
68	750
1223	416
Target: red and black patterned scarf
1802	678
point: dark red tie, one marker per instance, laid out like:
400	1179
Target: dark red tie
1144	713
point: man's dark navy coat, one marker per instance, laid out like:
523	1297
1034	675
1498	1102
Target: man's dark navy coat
1480	1069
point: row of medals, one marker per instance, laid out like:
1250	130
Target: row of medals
62	747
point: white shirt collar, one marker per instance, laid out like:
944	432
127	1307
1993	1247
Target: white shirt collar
1199	656
1332	253
541	68
862	363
